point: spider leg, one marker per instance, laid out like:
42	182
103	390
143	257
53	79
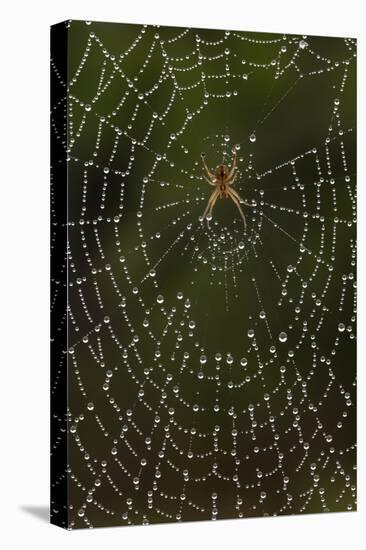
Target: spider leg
236	194
212	205
237	202
233	166
209	181
240	199
211	202
230	180
208	171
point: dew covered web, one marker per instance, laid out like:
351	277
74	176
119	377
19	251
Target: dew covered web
211	368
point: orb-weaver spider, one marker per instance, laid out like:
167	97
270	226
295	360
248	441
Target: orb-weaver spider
222	179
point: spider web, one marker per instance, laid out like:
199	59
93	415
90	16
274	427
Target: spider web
211	368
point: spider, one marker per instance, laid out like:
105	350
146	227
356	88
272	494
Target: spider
223	178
